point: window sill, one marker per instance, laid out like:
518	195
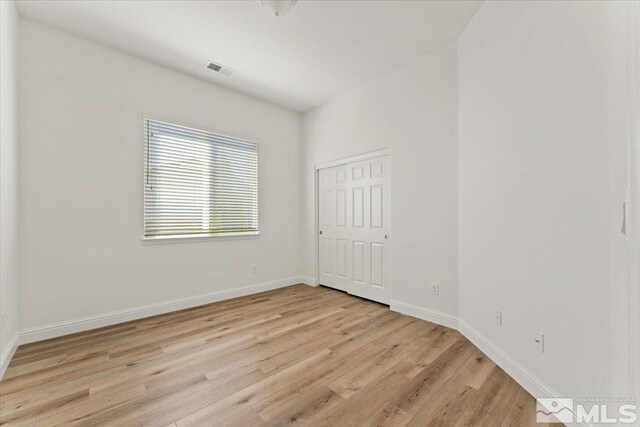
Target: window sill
200	238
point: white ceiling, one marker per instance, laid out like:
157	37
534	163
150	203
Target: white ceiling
318	51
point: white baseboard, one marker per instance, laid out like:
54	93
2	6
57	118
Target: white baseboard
521	375
526	379
439	317
7	354
58	329
308	280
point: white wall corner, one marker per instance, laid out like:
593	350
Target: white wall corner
519	373
526	379
434	316
8	353
308	280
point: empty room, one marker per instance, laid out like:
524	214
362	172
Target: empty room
319	213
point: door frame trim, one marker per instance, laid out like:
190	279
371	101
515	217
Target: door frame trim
355	158
385	151
633	189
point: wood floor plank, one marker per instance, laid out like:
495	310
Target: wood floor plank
431	380
386	352
522	412
431	347
228	406
446	406
299	408
494	401
292	356
358	408
389	415
477	369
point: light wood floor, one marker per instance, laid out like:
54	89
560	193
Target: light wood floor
298	355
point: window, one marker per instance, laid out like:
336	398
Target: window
198	183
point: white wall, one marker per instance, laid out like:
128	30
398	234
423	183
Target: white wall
633	35
81	172
542	139
9	242
413	111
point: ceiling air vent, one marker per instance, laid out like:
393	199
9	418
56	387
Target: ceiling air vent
220	69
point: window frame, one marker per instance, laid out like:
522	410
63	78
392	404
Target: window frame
241	235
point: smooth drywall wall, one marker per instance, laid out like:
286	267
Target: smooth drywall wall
9	242
412	110
81	171
633	35
542	140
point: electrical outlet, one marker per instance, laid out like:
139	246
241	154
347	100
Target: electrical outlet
498	317
539	341
255	269
435	289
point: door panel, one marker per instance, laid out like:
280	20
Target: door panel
341	258
374	232
358	207
357	172
326	203
358	261
328	255
333	210
354	209
376	264
376	206
377	169
341	207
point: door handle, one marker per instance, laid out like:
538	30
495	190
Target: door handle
386	236
321	232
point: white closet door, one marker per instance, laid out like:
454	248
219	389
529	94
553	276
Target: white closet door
354	212
370	243
334	230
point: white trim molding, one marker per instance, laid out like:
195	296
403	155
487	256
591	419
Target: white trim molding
434	316
58	329
532	384
8	353
308	280
526	379
633	76
519	373
356	158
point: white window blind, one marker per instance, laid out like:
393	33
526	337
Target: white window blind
198	182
